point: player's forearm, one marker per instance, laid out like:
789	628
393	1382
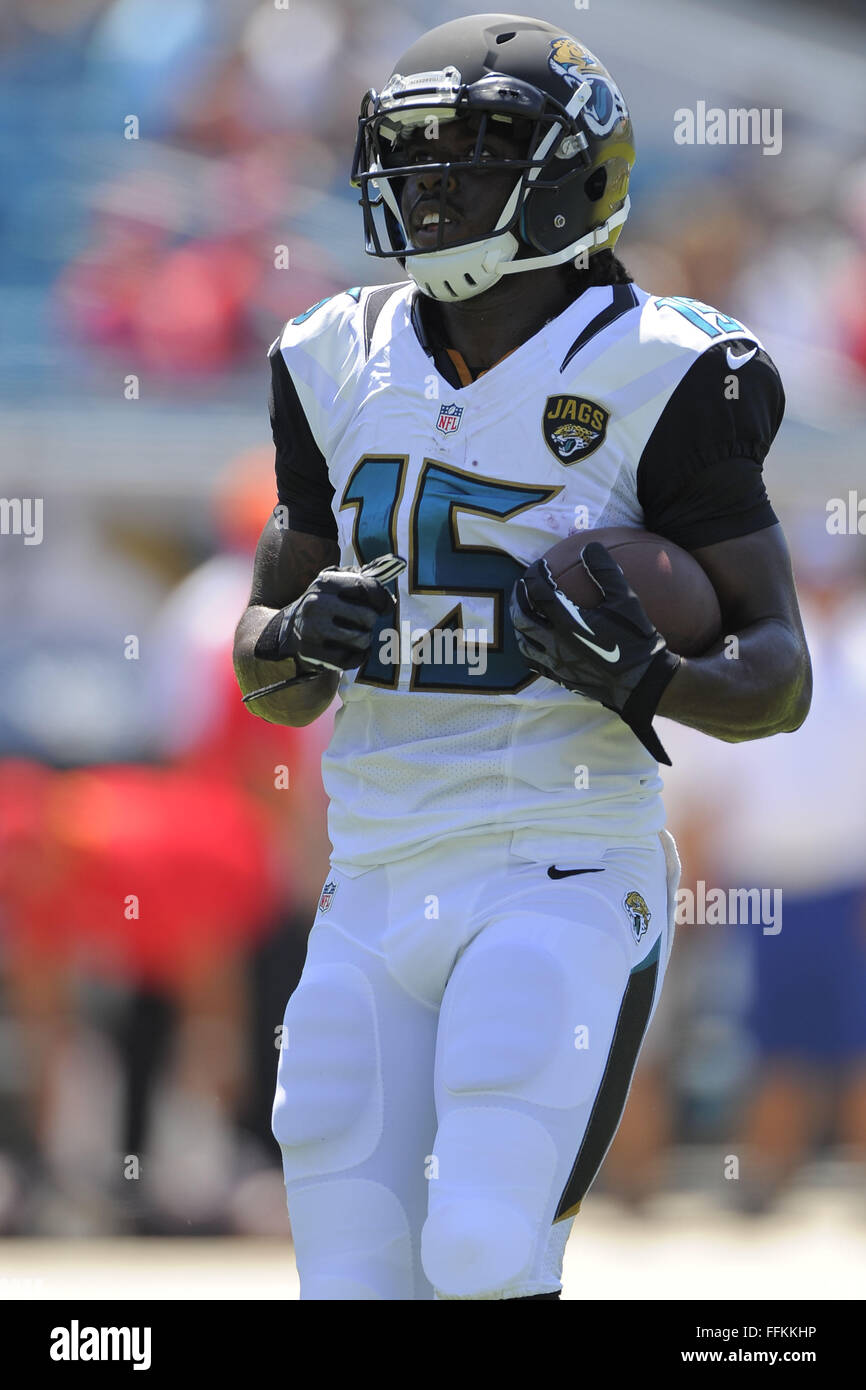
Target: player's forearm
296	705
753	687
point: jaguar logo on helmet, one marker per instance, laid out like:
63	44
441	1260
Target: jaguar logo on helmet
574	427
570	59
606	106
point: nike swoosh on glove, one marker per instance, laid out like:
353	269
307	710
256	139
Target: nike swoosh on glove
611	653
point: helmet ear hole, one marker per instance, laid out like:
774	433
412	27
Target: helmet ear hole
595	185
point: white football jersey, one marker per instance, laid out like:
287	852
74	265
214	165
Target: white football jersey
470	485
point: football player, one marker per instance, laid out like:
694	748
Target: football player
492	938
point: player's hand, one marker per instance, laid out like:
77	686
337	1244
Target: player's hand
611	653
331	625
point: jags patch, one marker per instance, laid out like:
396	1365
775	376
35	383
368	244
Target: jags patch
573	427
638	912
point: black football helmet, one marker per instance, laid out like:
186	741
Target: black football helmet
571	164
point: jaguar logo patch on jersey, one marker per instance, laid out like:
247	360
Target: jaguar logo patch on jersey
327	896
639	913
449	419
573	427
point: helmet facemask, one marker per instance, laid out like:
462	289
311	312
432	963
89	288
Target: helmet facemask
549	151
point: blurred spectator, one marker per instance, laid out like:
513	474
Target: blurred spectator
787	814
163	879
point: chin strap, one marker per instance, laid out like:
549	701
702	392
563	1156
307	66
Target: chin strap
466	271
442	274
593	241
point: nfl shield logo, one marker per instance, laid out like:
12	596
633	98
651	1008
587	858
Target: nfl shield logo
327	896
449	419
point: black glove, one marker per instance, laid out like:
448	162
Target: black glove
330	627
612	653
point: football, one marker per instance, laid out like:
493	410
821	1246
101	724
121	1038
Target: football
669	582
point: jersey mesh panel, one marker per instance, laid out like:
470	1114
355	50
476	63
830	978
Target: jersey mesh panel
435	733
620	508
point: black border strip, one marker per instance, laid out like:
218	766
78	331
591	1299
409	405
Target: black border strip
634	1012
376	302
624	300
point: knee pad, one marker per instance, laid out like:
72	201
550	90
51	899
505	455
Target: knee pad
489	1203
475	1246
327	1112
536	1025
352	1242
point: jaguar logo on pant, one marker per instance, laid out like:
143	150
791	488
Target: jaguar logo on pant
639	913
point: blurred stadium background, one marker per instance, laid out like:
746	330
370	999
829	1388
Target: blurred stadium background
161	852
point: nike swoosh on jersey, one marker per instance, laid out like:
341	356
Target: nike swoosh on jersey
741	359
606	653
554	872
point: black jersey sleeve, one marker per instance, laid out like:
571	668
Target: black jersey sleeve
699	479
303	486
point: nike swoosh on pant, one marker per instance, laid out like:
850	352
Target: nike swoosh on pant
554	872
